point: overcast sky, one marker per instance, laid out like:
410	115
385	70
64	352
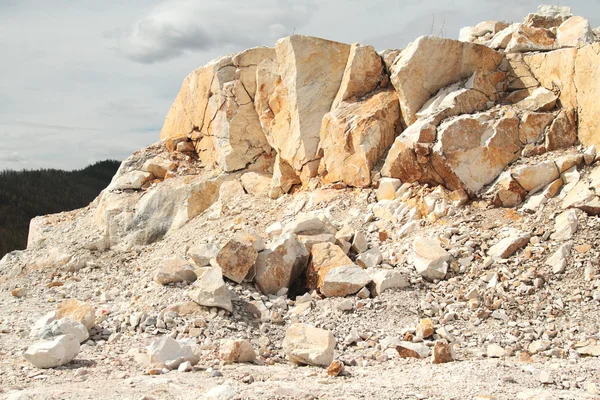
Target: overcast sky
87	80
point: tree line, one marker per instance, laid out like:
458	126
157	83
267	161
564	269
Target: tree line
29	193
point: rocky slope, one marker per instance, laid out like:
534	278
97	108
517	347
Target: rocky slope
416	223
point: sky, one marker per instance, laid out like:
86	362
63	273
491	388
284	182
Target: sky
88	80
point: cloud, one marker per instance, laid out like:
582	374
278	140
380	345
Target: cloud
175	27
12	157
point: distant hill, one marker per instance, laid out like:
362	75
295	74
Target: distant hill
27	194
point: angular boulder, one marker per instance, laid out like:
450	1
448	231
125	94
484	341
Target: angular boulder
236	351
173	271
210	290
324	257
575	32
509	245
297	92
307	345
54	352
280	264
431	63
64	326
355	135
78	311
429	258
236	258
343	281
167	352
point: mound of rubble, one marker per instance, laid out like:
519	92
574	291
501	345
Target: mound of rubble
322	204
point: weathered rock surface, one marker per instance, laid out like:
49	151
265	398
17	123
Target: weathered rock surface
280	264
429	258
54	352
343	281
76	310
236	351
174	271
431	63
210	290
64	326
324	257
236	259
304	344
170	353
509	245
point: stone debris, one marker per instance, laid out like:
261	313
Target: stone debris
304	344
167	352
238	351
54	352
509	245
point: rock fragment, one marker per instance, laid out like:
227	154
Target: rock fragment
429	258
305	344
174	271
236	351
52	353
210	290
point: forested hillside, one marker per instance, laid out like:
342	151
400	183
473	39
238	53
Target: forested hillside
27	194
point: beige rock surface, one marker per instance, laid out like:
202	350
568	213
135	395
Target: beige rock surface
76	310
431	63
355	135
324	256
587	82
304	344
236	259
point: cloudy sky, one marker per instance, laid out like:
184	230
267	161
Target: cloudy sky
87	80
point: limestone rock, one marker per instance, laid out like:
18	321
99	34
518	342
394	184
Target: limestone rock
236	258
489	141
575	32
509	245
324	257
370	258
230	190
495	351
431	63
172	204
587	81
535	177
554	70
131	180
236	351
76	310
540	99
52	353
526	39
385	279
173	271
562	133
442	353
558	261
284	177
533	125
64	326
210	289
170	353
304	344
387	188
221	392
355	135
280	264
412	350
565	225
343	281
429	259
362	75
292	113
360	243
159	166
310	224
256	184
202	253
425	328
42	323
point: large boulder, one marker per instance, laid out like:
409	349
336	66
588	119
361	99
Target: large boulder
554	70
236	258
171	204
488	140
279	265
324	256
362	75
431	63
215	107
52	353
526	39
210	289
295	93
305	344
355	135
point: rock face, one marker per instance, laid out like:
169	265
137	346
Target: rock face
304	344
308	75
431	63
355	136
53	353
